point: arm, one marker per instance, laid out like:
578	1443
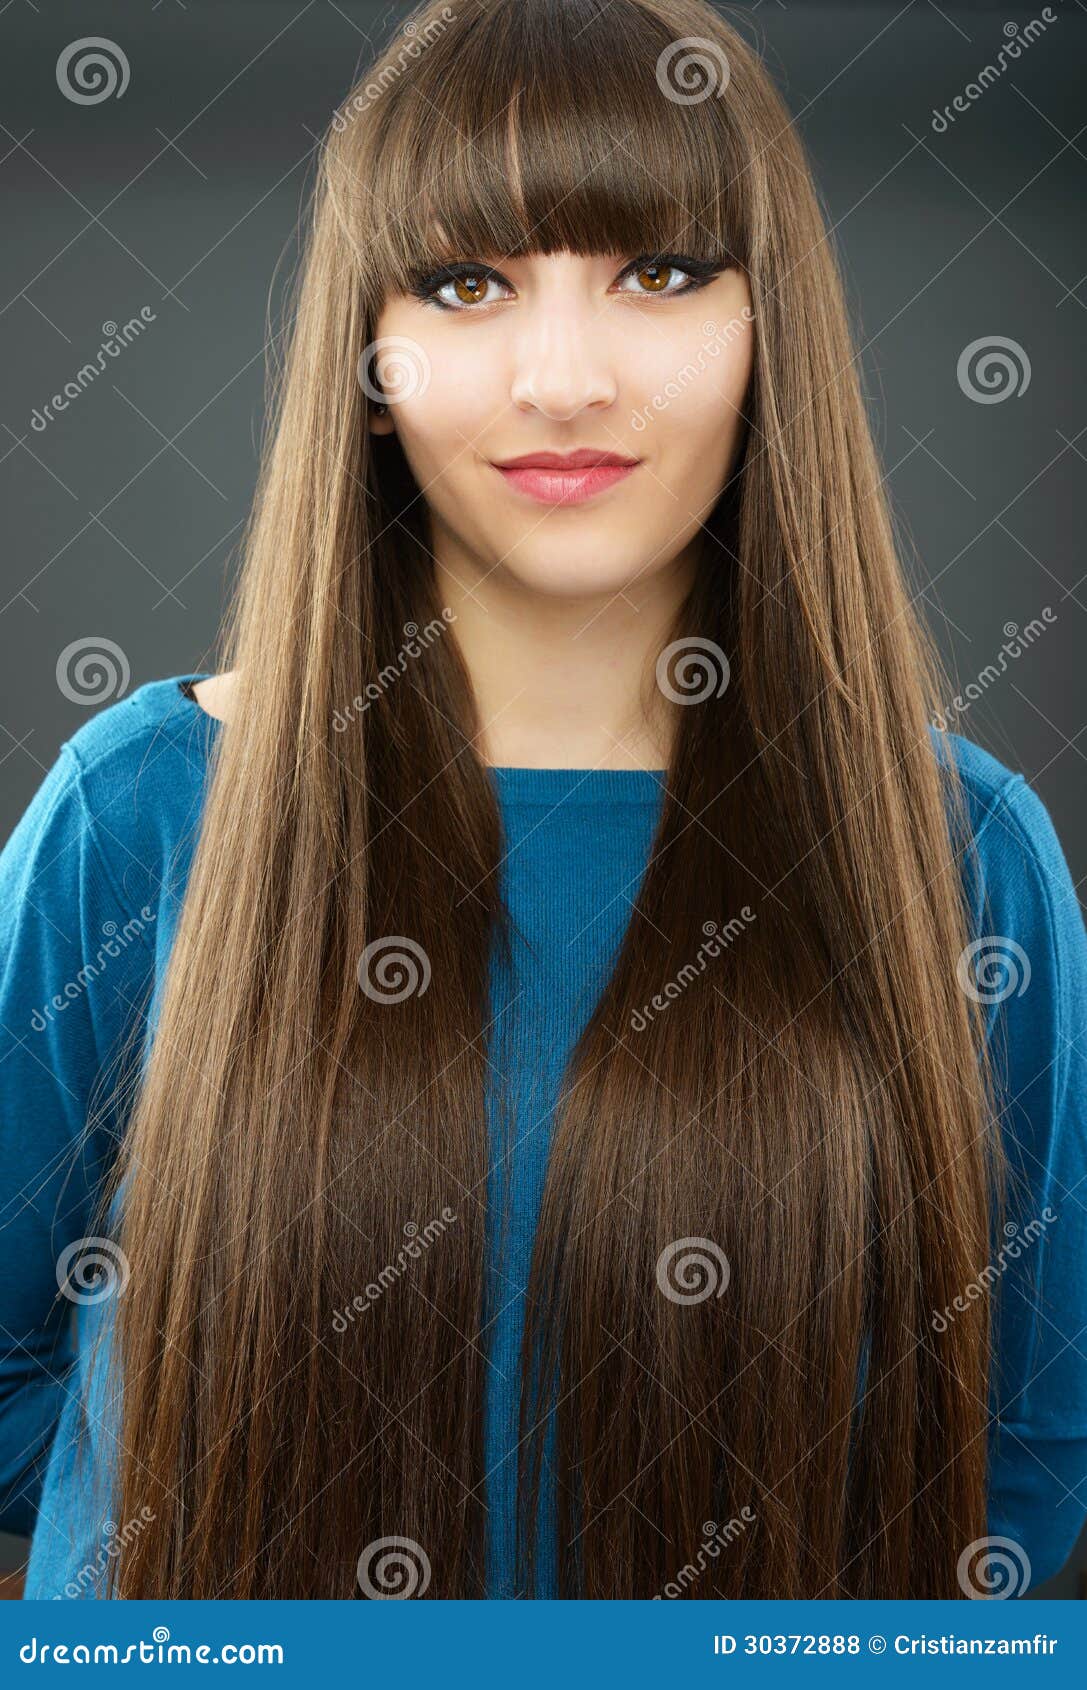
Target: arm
73	972
1038	1034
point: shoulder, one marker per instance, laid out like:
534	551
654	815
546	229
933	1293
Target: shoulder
157	718
132	779
1027	963
986	781
1017	846
91	879
1027	959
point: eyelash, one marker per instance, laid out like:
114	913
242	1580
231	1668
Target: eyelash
700	271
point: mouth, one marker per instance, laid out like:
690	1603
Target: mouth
556	478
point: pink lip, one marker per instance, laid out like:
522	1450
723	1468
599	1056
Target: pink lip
569	486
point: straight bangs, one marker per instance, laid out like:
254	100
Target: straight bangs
524	130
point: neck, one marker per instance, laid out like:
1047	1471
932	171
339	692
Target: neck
565	682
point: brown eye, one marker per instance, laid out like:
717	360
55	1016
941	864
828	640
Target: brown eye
656	275
657	279
470	289
460	289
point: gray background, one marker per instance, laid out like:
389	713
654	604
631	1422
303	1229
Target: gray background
122	516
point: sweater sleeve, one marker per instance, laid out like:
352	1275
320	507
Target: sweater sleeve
75	965
1031	962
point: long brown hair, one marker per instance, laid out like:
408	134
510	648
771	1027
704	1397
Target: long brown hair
816	1111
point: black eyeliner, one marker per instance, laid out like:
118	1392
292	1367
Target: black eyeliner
423	287
700	271
703	268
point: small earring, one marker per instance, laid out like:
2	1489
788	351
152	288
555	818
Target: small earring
380	410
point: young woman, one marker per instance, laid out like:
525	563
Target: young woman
543	1072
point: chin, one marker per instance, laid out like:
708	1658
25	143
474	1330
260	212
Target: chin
570	576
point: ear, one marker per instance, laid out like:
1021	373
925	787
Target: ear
379	421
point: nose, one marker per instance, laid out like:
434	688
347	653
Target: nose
563	362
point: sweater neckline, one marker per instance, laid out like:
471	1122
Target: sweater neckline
519	785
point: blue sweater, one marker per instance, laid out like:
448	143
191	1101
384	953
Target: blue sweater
91	883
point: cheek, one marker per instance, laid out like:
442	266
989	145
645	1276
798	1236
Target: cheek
448	422
435	376
694	394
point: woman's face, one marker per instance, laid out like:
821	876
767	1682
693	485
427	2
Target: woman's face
563	354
